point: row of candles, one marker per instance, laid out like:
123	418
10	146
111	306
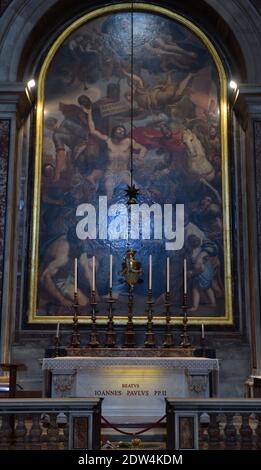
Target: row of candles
168	274
150	280
110	275
93	274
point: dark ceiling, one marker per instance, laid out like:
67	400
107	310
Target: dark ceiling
257	5
217	26
3	5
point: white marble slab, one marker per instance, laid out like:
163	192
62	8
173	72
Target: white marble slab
131	385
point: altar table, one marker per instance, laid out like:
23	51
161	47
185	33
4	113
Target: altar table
131	384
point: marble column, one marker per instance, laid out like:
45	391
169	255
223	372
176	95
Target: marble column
249	110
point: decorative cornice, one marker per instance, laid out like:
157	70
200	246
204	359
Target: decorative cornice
248	103
15	98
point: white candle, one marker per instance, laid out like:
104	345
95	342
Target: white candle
75	275
150	272
202	331
93	273
110	271
168	274
185	276
57	329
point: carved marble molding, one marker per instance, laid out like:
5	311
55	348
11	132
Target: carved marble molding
198	383
62	385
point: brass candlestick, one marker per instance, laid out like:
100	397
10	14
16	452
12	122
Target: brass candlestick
131	268
129	336
168	336
75	337
203	346
93	343
149	335
131	271
185	343
56	346
110	334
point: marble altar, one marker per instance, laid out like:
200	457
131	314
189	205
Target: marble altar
131	384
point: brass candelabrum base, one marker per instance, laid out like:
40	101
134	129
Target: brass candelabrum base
110	333
94	342
168	336
129	336
185	343
150	335
75	336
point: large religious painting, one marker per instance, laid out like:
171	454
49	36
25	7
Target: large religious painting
131	98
